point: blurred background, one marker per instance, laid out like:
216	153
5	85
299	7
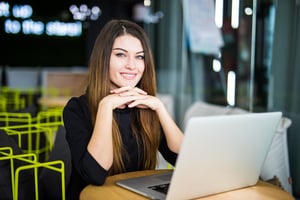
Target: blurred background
235	53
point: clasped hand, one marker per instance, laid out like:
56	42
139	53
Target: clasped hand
132	97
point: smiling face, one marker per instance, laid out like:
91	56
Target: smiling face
126	62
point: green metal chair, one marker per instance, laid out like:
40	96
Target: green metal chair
31	163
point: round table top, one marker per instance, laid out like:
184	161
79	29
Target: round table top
260	191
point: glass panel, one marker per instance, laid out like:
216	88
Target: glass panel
246	53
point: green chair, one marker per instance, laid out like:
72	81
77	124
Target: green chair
11	99
30	163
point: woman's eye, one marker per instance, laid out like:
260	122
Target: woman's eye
140	57
120	54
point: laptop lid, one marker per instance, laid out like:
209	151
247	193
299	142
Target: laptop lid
218	154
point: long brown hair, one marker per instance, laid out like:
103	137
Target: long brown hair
145	123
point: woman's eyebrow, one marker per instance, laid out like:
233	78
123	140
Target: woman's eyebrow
117	48
139	52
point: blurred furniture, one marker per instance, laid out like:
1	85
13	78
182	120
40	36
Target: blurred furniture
1	75
260	191
277	161
64	83
52	102
33	134
24	82
11	99
23	78
43	138
22	164
201	108
59	86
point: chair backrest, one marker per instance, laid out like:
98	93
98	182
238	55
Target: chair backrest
8	167
48	179
201	108
21	179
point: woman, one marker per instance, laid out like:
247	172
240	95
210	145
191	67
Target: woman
119	124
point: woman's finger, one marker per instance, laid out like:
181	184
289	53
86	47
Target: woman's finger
127	90
121	89
140	91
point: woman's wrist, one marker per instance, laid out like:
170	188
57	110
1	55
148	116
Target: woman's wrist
160	107
105	103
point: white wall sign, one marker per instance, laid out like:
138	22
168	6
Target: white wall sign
17	20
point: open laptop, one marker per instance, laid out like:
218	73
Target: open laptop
218	154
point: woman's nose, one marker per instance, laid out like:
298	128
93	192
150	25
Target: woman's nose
130	63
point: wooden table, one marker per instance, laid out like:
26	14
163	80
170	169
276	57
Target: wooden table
261	191
51	102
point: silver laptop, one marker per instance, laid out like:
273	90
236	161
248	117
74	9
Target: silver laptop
218	154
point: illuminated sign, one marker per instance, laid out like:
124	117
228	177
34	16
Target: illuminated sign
4	9
18	20
52	28
22	11
63	29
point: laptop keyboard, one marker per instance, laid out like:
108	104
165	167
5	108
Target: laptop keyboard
163	188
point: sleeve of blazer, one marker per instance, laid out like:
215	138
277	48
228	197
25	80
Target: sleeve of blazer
168	155
79	129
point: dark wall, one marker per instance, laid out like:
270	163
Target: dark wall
44	50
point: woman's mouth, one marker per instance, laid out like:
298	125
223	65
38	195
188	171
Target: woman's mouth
128	76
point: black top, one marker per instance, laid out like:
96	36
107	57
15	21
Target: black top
79	128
